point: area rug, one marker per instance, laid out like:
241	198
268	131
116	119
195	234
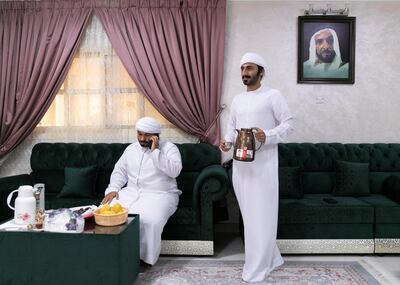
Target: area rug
211	272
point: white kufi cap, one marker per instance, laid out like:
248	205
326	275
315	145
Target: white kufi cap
148	125
251	57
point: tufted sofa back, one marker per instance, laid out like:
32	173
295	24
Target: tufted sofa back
195	157
48	161
317	162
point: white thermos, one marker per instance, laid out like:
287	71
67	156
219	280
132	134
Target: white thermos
25	205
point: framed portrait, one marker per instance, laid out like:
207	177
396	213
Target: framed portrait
326	49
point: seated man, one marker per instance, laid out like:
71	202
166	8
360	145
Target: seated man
148	168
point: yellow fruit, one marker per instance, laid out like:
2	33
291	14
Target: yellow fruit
105	208
108	213
117	208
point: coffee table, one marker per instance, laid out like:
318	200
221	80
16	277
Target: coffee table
99	255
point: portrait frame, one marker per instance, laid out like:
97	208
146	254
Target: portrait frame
326	67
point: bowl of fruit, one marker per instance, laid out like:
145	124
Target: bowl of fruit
107	215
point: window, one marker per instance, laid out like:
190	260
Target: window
98	91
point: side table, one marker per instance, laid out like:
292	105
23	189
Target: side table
99	255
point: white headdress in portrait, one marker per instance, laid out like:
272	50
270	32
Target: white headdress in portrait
337	61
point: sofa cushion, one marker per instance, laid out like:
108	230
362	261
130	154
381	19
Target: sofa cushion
289	182
376	180
318	182
391	231
52	179
103	179
391	188
313	208
12	183
184	216
185	181
79	182
386	210
53	202
351	179
326	231
387	216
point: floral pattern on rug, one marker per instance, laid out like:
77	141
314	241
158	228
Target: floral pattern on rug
211	272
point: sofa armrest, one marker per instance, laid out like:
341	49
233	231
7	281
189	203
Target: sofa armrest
10	183
213	182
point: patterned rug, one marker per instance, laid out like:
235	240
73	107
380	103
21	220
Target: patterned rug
211	272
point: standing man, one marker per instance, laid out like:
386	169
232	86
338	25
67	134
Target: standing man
143	180
325	59
256	183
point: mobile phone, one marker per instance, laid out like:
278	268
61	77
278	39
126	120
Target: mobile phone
150	142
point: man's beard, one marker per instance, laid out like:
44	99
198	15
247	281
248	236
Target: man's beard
144	143
250	80
326	55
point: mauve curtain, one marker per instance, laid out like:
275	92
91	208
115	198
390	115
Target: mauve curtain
174	51
37	42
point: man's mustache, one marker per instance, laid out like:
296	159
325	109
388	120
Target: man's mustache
245	77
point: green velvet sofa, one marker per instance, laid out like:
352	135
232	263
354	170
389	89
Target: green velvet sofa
339	198
203	181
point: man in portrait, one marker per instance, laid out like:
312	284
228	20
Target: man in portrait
325	60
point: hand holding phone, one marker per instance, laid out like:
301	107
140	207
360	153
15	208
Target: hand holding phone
150	143
153	142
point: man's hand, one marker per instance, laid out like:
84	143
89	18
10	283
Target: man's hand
108	198
260	135
155	143
225	146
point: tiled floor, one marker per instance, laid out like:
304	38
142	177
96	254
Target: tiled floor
228	246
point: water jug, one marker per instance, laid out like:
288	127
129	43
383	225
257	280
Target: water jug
25	205
245	149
